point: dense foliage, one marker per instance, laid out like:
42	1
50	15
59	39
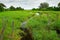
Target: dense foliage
45	7
2	7
43	26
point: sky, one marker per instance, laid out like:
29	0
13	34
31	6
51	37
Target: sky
28	4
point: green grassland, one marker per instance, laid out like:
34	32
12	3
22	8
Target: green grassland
39	24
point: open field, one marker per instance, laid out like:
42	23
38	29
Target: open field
42	25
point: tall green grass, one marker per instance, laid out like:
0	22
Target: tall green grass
38	24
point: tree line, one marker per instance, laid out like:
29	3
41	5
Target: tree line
42	7
45	7
11	8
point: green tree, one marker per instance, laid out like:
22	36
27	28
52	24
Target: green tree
59	4
19	8
11	8
50	9
44	5
33	9
56	9
2	7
